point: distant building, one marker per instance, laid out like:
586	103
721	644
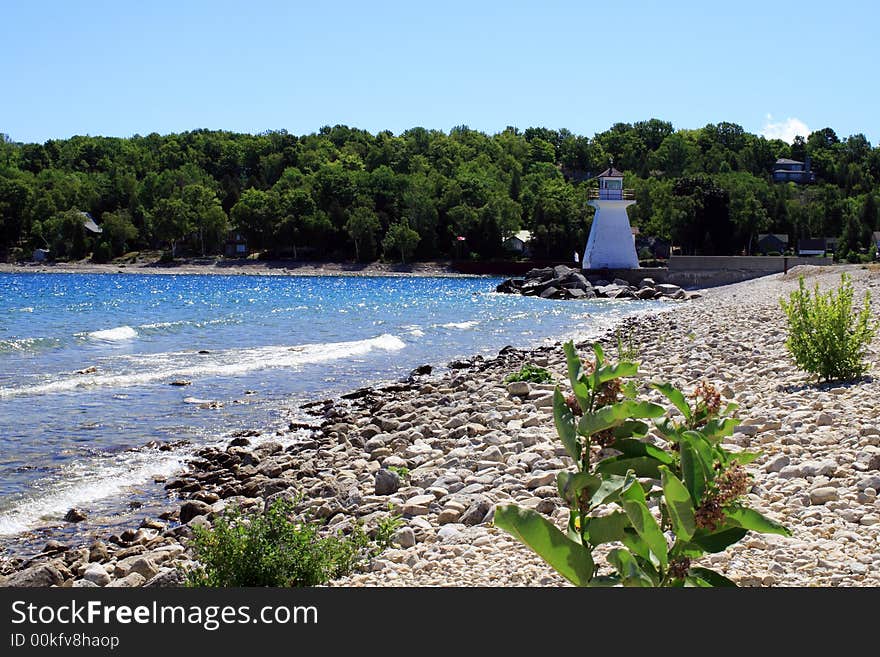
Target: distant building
772	243
518	242
812	246
90	224
40	255
786	170
236	245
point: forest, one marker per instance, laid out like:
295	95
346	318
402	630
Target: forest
346	194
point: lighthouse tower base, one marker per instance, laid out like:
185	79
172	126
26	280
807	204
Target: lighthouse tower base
611	244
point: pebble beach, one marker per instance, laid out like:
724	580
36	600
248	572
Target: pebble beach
466	441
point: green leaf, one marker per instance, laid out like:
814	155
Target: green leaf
628	568
674	395
631	429
610	489
711	577
614	414
636	545
634	504
642	466
616	371
629	390
600	354
631	448
715	430
565	426
719	540
696	582
744	458
606	529
571	484
678	504
754	521
575	372
569	559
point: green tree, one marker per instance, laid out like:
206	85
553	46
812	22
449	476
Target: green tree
401	238
362	226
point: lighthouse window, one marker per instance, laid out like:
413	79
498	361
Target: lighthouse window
614	184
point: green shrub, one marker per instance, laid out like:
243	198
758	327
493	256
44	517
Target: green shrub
672	500
402	471
271	549
166	257
826	336
531	373
102	252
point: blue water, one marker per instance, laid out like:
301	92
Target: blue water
69	439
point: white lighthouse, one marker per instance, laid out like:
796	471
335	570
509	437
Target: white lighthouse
611	244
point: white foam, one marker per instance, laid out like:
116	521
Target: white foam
159	367
460	325
115	334
84	484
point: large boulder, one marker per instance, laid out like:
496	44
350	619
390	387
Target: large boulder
667	289
543	274
40	575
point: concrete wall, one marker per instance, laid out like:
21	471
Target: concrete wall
763	264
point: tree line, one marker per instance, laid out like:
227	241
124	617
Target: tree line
343	193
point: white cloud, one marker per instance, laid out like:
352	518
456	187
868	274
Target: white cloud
785	130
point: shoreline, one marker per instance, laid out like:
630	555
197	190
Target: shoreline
469	445
222	267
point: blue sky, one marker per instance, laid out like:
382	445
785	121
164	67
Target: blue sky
121	68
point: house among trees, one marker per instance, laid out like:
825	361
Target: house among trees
236	245
812	246
786	170
772	243
518	243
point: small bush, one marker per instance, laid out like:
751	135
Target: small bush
270	549
825	335
102	253
166	257
530	373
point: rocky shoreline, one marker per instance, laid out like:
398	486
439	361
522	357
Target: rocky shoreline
561	282
443	449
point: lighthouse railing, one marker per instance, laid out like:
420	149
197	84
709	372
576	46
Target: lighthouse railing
612	194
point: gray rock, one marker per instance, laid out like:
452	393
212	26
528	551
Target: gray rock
549	292
83	584
776	464
98	552
166	578
405	537
476	512
145	567
823	495
667	289
386	482
519	388
824	420
192	508
97	574
131	580
75	515
647	282
42	575
871	481
539	479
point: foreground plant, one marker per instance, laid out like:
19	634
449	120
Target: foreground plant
663	505
825	335
272	549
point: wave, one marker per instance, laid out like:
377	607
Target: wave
460	325
231	362
115	334
84	484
